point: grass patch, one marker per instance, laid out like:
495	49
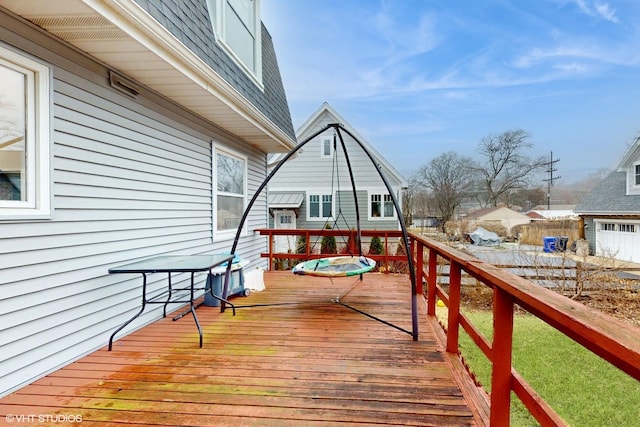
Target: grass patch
582	388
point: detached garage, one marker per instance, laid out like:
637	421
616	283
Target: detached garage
611	212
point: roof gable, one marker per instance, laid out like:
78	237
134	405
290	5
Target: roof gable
326	113
630	157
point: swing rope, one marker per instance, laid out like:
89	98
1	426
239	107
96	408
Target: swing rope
335	178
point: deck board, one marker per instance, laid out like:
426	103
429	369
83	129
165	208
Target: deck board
308	362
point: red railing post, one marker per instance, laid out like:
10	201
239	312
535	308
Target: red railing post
455	274
432	281
270	237
501	350
386	250
419	265
352	241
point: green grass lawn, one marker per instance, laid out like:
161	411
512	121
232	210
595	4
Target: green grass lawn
582	388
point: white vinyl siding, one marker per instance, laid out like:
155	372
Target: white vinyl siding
130	181
315	174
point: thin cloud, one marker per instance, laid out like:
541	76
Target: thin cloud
607	12
597	9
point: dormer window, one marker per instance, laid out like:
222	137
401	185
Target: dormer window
637	175
236	24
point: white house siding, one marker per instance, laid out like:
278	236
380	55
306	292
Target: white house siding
348	218
131	179
310	172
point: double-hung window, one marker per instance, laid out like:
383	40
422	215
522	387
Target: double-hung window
381	206
24	137
637	175
230	185
320	206
236	24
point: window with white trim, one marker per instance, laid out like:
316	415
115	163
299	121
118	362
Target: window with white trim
381	206
25	187
326	146
236	24
607	226
230	194
637	174
320	206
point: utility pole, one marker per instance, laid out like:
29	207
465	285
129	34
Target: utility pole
551	168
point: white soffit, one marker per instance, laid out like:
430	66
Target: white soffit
126	38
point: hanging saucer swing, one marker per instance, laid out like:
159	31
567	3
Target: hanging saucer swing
337	266
341	265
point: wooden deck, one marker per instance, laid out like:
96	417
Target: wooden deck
308	362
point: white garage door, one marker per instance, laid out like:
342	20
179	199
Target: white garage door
619	239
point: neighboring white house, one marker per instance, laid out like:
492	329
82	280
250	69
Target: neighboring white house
128	129
310	190
611	212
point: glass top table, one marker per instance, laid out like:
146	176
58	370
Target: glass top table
174	264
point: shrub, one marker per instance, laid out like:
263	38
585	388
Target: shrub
301	245
328	244
375	247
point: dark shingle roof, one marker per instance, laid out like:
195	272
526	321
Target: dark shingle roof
188	20
609	197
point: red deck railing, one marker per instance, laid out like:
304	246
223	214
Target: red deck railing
346	240
613	340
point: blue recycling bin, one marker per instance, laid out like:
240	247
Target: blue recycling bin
549	243
215	280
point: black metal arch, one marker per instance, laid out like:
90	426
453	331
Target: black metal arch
405	236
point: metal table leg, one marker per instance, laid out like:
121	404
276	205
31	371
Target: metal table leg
135	316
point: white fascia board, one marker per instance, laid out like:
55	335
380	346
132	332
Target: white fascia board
135	21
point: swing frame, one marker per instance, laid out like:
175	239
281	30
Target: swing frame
338	128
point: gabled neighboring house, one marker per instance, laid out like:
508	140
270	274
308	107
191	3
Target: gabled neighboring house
128	129
308	192
504	216
611	211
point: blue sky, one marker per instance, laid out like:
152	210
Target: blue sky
418	78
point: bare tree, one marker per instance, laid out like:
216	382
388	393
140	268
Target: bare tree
506	168
449	177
